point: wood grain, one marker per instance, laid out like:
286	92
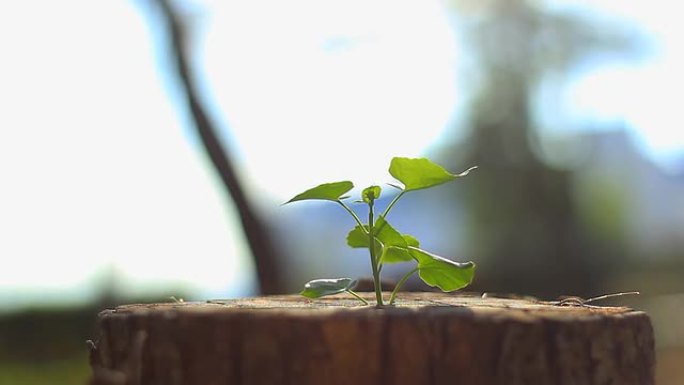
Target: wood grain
428	338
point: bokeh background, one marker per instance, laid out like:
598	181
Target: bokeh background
571	110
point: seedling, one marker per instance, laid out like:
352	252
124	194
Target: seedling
384	243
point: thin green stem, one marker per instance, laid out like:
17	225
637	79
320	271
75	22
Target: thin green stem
389	207
400	284
373	257
353	214
357	296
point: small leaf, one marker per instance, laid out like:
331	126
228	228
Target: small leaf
390	244
384	232
357	237
411	240
420	173
371	193
326	192
443	273
387	234
394	254
399	253
320	287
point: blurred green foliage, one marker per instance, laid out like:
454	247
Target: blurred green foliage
523	223
66	370
46	346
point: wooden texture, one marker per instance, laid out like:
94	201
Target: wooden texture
427	338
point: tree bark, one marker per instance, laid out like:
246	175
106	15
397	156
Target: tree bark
428	338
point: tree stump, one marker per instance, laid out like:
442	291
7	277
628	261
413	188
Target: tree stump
428	338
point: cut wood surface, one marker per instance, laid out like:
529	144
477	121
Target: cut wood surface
428	338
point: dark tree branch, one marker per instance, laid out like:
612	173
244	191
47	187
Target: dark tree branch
255	230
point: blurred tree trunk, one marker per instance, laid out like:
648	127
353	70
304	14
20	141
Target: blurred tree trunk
256	232
522	213
523	222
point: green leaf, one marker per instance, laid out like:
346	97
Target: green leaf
326	192
411	240
320	287
384	232
394	254
395	244
371	193
387	234
357	237
399	253
443	273
420	173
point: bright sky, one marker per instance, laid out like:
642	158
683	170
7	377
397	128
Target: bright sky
329	90
97	169
642	95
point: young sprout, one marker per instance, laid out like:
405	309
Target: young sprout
385	244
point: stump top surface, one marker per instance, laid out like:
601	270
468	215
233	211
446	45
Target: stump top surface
465	304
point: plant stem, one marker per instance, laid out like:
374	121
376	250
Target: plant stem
353	214
374	263
389	207
357	296
400	284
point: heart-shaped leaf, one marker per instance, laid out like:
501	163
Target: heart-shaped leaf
411	240
384	232
358	237
326	192
320	287
371	193
395	243
420	173
395	254
398	254
441	272
387	234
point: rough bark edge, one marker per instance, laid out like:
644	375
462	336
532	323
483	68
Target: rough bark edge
433	344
